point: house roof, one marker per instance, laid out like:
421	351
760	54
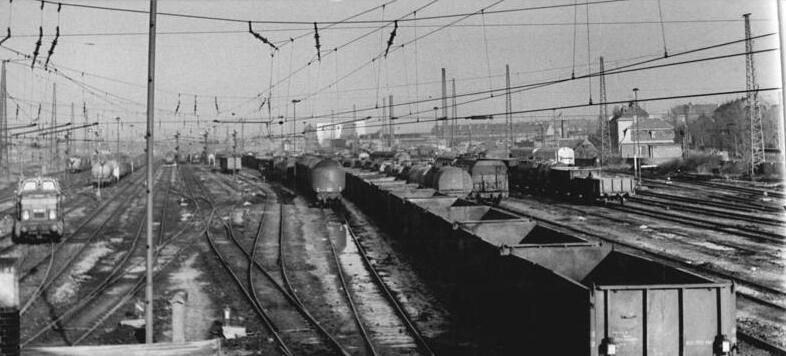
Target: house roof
648	124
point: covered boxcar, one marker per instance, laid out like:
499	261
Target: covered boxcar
228	163
39	211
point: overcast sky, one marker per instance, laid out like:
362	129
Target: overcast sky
107	51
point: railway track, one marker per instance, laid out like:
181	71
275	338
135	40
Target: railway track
416	334
373	344
277	291
729	228
727	205
103	214
682	263
78	313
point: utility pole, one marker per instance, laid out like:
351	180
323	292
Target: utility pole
117	144
444	104
635	131
752	101
242	134
357	135
234	153
151	71
508	110
4	161
177	147
53	137
605	131
782	121
453	129
294	120
391	117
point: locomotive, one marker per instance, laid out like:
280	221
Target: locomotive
39	211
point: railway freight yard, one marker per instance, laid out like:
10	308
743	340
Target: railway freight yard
399	177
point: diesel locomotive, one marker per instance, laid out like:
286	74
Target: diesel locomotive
39	211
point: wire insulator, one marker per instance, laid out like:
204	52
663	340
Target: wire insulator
316	39
37	45
260	37
52	48
177	108
7	36
392	36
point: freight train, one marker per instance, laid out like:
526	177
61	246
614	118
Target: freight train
320	177
585	183
109	170
39	211
523	288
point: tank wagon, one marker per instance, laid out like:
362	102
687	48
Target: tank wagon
322	178
450	181
489	178
564	155
78	164
111	169
228	163
527	289
39	211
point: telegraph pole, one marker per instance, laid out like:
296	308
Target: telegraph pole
782	121
151	71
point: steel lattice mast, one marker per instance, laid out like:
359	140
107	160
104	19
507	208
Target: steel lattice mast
605	131
752	102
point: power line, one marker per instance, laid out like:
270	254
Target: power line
309	22
355	28
617	70
565	107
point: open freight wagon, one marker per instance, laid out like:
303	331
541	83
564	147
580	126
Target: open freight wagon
529	290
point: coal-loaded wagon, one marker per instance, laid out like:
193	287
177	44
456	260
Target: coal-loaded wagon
523	288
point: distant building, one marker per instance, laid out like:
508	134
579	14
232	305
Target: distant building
633	127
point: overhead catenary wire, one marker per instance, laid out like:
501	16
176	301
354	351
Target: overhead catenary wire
566	107
618	69
309	22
